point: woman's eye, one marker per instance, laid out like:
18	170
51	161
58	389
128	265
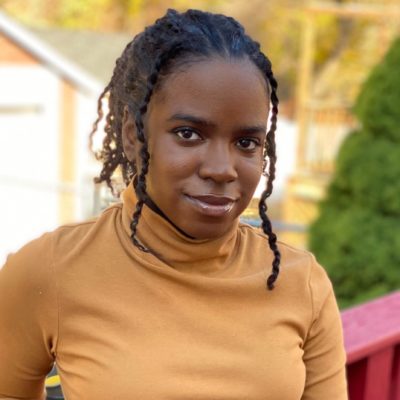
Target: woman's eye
248	143
188	134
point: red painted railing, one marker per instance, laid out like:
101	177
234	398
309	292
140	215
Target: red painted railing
372	340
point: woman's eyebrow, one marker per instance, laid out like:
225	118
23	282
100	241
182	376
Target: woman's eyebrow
248	130
191	118
202	121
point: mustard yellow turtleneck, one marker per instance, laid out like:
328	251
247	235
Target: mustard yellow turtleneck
194	322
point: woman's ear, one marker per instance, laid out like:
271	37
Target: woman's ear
129	135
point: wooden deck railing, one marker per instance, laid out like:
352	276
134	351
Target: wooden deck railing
372	340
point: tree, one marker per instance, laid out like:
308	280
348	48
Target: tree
357	234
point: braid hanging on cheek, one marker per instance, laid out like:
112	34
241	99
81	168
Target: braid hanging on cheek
141	186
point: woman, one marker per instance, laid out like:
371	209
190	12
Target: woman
167	295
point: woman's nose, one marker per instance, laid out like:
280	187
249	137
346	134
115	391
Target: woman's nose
218	163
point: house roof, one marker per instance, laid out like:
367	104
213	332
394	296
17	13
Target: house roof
94	52
84	65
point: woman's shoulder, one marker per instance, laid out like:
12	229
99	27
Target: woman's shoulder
291	256
301	266
298	267
65	239
77	231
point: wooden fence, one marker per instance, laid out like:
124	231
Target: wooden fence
372	340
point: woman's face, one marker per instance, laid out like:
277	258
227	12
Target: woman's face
206	128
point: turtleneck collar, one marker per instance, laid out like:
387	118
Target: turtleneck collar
173	247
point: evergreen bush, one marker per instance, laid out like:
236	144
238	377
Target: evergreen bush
357	234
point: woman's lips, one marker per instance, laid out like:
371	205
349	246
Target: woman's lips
215	206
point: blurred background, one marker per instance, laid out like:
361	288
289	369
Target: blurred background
56	56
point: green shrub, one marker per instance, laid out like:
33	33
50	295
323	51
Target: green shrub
357	234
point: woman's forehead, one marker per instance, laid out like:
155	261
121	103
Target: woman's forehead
213	86
216	70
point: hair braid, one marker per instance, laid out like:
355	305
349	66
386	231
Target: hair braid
100	115
107	169
270	154
141	186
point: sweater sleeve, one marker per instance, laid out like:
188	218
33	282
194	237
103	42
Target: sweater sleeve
28	320
324	353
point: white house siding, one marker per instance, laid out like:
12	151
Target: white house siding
87	166
29	123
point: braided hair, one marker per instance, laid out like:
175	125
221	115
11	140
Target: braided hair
171	42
